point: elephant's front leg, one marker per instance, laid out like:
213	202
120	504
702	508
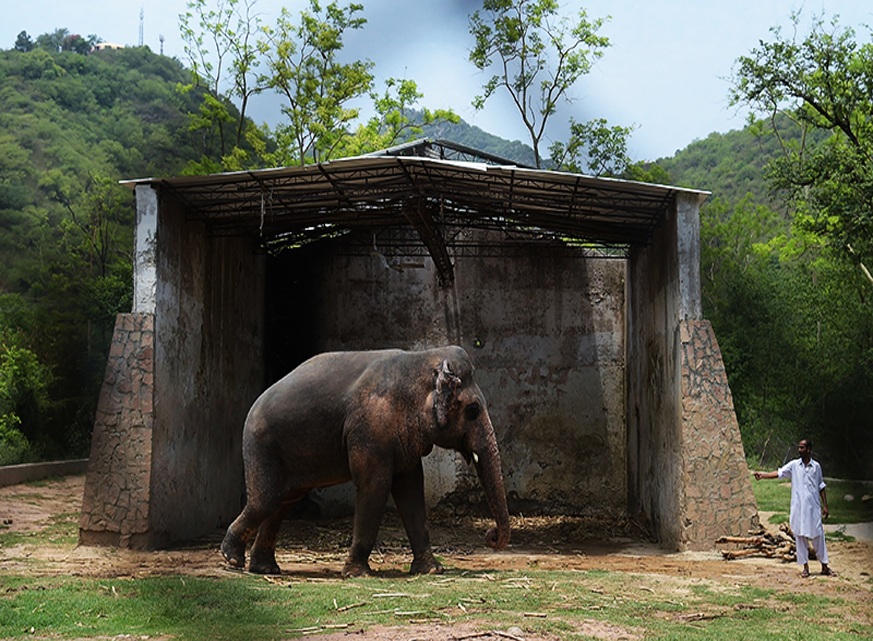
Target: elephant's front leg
408	492
372	496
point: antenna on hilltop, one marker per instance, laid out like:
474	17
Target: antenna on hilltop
141	17
161	38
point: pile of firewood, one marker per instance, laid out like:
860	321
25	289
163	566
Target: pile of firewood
777	544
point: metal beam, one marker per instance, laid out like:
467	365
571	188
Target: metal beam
419	212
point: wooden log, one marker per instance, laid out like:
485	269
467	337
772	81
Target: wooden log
748	540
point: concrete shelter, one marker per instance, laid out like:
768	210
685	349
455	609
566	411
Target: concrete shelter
577	297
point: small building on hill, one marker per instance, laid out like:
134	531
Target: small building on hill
577	297
104	46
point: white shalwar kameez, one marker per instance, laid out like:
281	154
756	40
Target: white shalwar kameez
805	519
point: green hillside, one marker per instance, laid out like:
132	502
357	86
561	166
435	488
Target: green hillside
71	127
791	312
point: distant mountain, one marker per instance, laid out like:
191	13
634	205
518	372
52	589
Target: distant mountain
733	164
472	136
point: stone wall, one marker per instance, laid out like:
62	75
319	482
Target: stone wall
718	498
115	506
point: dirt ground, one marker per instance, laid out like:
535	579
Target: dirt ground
316	549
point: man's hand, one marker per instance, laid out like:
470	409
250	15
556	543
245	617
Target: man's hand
824	513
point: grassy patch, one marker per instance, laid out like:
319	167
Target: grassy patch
775	496
61	529
561	603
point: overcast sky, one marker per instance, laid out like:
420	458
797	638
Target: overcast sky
666	72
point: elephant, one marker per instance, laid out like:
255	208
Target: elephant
368	417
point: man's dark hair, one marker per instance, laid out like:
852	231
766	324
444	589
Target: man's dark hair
808	442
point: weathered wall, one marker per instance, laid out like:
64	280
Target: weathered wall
685	461
546	331
208	371
547	336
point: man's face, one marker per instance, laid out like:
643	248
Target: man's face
803	449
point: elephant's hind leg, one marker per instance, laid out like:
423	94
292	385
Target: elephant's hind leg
264	488
263	554
233	547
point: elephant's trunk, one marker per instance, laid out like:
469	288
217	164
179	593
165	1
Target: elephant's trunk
491	477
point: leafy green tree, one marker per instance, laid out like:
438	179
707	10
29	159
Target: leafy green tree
821	83
538	55
23	42
54	41
318	88
396	119
602	149
24	383
224	52
78	44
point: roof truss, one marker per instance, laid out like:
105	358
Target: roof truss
435	187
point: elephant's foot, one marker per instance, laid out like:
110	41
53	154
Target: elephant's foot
234	551
356	568
264	562
426	564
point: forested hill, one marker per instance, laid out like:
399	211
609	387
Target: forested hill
72	126
68	121
112	113
733	165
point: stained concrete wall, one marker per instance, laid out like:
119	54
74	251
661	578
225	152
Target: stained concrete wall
546	334
166	460
686	466
208	371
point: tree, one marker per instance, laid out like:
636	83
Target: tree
822	83
538	56
23	42
396	119
53	42
24	382
604	149
305	69
222	40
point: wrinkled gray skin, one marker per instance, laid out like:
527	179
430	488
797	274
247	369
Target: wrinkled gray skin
368	417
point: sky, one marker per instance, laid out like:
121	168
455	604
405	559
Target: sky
666	73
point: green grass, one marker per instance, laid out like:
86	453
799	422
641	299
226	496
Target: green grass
774	495
241	606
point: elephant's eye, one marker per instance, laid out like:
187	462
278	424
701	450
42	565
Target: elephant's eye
471	412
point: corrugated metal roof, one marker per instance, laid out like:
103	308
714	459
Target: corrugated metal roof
430	185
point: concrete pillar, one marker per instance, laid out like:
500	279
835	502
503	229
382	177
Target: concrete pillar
686	466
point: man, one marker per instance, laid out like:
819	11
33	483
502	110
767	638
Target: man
809	505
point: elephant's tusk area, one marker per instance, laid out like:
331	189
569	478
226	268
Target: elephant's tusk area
475	458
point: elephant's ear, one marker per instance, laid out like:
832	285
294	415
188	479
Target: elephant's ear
445	386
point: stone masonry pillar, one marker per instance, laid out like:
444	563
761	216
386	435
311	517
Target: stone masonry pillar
717	498
115	506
